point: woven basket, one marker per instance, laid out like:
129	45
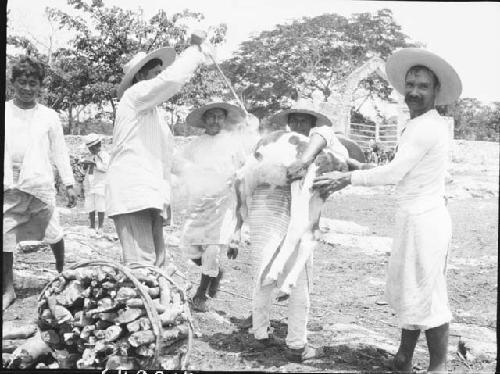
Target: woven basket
151	312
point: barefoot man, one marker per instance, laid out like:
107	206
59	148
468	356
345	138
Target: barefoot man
33	140
416	277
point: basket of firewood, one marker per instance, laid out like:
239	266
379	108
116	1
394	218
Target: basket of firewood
102	315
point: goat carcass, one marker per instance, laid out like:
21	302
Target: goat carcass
268	165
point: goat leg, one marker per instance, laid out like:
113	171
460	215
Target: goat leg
299	224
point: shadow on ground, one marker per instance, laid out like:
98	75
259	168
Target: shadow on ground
338	357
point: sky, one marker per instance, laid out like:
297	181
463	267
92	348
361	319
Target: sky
463	33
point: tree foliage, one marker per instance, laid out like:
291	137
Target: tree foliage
90	68
474	120
311	54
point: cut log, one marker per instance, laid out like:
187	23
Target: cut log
113	333
164	291
116	362
141	337
170	362
125	293
129	315
26	355
146	350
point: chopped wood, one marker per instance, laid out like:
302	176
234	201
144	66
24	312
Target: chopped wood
112	333
141	337
129	315
146	350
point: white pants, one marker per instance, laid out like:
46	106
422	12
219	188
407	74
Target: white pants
210	257
298	310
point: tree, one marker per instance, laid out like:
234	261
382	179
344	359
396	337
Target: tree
311	54
105	38
474	120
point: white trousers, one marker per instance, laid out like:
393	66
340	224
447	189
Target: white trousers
210	257
298	311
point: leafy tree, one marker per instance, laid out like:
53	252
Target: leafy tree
474	120
311	54
105	38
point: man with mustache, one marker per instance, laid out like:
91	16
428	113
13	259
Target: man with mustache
416	278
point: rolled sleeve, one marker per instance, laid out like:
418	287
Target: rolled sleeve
326	132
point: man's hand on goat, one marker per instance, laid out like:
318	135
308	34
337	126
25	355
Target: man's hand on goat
232	251
331	182
297	170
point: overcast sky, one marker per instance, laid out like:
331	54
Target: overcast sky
465	34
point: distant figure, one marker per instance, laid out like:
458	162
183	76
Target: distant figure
95	168
416	277
33	137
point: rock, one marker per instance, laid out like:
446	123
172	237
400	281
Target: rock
475	342
33	279
342	227
12	331
355	336
367	244
474	350
31	246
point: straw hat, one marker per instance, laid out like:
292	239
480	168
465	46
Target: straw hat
92	139
402	60
300	107
130	69
235	114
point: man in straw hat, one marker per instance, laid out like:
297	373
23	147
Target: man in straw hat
33	141
268	219
416	279
95	168
207	167
138	180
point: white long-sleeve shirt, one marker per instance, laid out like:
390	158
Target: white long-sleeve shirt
34	137
419	167
139	171
211	161
95	183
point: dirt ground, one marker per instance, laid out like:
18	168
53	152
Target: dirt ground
348	316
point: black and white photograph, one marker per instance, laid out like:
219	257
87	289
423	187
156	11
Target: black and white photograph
281	186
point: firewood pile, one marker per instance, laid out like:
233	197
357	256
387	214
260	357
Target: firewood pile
101	315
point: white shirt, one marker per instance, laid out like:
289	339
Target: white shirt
333	144
34	137
212	161
139	171
419	166
95	183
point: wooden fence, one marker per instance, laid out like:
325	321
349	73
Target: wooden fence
384	134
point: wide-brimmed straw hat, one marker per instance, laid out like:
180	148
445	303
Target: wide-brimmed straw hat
235	114
300	107
92	139
402	60
130	69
